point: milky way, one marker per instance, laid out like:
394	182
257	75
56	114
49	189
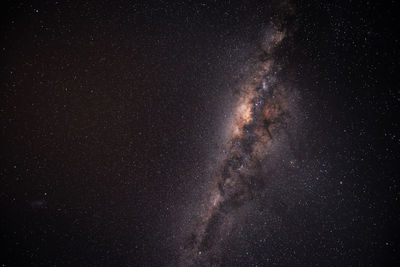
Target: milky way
199	133
265	107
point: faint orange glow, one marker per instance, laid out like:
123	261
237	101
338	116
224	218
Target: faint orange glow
245	113
271	111
243	117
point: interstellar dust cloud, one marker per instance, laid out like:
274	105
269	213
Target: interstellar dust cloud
265	114
265	108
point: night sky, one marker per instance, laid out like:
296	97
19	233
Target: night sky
199	133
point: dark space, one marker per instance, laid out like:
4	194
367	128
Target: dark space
111	115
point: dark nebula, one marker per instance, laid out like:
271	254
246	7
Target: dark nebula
265	109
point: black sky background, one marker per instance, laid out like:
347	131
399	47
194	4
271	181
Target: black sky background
109	108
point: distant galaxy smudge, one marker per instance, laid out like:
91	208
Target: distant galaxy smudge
263	111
